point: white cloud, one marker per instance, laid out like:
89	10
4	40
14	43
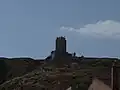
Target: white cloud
101	29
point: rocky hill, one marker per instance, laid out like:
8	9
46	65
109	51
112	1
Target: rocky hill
13	67
28	74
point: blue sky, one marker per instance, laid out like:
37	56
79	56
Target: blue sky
28	28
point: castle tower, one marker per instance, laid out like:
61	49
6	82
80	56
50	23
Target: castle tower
61	45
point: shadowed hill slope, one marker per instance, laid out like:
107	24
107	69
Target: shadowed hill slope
3	71
13	67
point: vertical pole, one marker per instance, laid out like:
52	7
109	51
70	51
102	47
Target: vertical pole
114	77
74	82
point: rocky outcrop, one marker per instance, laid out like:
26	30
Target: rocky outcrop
98	85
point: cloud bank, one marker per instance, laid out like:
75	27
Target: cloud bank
101	29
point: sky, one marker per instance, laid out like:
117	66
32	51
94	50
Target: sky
28	28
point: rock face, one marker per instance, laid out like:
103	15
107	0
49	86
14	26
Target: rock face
28	81
69	88
98	85
37	80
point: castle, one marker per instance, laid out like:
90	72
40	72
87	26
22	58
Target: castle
60	49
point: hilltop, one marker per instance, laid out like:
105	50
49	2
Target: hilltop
59	70
44	76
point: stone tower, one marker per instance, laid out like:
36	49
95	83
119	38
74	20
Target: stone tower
60	46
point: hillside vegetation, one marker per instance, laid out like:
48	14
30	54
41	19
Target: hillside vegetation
25	74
